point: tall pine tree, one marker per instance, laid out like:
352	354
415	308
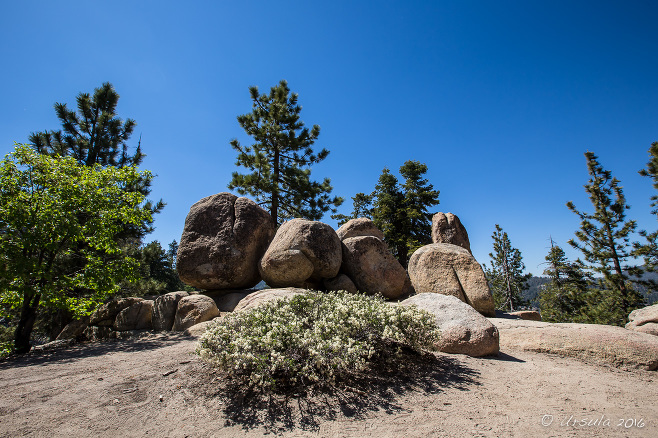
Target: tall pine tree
649	250
389	214
419	195
564	299
279	161
604	236
95	134
401	212
505	273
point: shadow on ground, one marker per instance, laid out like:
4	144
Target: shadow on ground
378	390
148	341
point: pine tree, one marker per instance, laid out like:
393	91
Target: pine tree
279	161
401	211
604	235
389	214
96	135
361	204
564	299
419	195
505	274
649	250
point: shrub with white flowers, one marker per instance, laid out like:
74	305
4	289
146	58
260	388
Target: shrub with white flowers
314	338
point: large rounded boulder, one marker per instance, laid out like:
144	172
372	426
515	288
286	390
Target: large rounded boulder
373	269
359	227
447	228
463	329
644	320
223	239
302	254
451	270
164	310
192	310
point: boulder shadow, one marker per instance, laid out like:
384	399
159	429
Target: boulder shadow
504	357
379	389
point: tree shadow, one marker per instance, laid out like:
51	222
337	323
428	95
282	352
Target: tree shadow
377	390
143	342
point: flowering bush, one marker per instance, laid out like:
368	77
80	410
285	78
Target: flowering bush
314	338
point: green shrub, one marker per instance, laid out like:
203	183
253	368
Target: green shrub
315	338
6	340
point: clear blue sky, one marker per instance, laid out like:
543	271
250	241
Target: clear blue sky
499	98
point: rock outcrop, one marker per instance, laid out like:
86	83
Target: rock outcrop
591	342
74	329
359	227
463	329
373	269
261	297
644	320
135	317
192	310
302	254
451	270
530	315
105	315
164	310
223	239
447	228
226	302
340	282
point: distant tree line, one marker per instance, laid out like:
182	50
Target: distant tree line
603	286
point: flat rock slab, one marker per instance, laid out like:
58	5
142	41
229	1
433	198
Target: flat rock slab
604	344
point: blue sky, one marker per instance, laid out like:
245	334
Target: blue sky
500	99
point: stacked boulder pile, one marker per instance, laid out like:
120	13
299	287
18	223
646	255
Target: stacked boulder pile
230	244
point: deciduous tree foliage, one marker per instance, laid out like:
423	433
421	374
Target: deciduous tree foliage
505	273
52	209
604	235
279	161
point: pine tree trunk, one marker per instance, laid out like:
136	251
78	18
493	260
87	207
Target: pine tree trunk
615	259
274	210
26	323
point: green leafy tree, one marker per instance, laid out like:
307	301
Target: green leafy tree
604	236
505	273
401	212
50	209
95	135
361	207
279	161
564	299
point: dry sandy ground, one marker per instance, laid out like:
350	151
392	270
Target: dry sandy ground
154	387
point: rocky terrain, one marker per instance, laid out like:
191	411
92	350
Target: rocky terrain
128	369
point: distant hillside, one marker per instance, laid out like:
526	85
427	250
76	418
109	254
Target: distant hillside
535	286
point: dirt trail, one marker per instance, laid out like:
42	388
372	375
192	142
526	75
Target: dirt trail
153	386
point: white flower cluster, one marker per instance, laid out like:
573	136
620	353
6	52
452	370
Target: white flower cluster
315	337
